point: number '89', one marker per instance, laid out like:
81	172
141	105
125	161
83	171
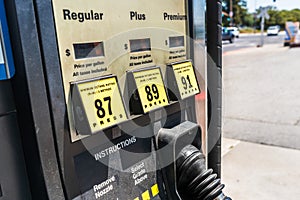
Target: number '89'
152	92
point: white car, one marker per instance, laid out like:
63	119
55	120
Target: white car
273	30
235	31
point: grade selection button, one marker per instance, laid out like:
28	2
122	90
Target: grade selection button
146	195
185	78
151	88
102	103
154	190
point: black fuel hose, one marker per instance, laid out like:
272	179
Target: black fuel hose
193	180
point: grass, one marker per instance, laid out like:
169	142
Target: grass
249	30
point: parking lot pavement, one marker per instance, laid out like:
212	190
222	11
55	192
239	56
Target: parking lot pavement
254	171
261	92
261	116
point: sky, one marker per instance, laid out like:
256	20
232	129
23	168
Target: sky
280	4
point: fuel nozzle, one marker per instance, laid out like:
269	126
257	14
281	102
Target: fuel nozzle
193	180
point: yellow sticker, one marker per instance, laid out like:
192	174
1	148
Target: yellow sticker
151	89
186	79
102	102
146	195
154	190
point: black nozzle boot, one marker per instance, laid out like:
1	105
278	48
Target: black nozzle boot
193	180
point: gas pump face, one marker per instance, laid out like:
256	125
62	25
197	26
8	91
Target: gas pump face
130	69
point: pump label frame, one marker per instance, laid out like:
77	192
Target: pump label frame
151	88
102	103
186	79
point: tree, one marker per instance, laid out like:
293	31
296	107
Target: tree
239	10
282	16
241	16
274	18
248	20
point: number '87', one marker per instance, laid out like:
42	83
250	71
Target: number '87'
99	106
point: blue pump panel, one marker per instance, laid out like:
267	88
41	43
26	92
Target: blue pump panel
7	69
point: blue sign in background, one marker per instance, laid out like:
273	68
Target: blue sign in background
7	69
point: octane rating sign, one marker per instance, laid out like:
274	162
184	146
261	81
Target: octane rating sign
102	102
151	89
186	79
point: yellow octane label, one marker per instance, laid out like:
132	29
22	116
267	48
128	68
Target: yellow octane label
186	79
103	103
151	89
154	190
146	195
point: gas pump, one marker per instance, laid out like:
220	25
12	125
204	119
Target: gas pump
13	177
112	98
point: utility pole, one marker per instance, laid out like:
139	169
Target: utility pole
231	13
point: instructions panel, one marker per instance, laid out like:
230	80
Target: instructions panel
100	176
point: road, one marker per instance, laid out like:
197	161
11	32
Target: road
252	40
261	92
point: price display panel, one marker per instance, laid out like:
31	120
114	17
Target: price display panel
186	79
151	89
88	50
102	103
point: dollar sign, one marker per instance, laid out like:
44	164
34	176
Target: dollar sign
125	46
68	52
